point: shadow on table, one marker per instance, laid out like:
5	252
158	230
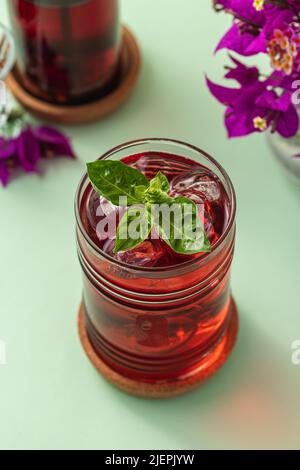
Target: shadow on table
250	403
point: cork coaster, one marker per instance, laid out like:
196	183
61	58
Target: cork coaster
130	63
163	389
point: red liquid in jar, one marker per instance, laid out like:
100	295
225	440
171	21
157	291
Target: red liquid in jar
67	49
153	341
187	178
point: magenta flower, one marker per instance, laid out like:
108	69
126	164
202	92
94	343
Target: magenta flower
7	148
244	75
242	9
53	142
253	107
259	103
250	32
26	150
7	153
4	173
284	50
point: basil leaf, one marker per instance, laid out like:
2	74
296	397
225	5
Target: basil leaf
140	192
176	219
113	179
157	197
181	228
160	181
133	228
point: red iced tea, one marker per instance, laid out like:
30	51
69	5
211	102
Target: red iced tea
152	314
67	50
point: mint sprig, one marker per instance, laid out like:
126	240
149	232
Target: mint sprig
150	207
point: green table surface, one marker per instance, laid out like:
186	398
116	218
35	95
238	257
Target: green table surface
50	395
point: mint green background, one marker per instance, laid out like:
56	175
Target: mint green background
50	396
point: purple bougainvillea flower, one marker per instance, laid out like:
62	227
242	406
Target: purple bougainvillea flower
237	39
270	100
276	18
28	151
7	152
295	4
54	142
243	9
255	108
240	115
4	173
287	123
244	75
241	109
245	36
284	50
278	80
7	148
271	27
252	29
223	94
243	97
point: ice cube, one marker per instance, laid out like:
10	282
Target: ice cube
103	216
199	184
149	253
207	192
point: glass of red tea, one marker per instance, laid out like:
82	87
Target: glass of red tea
67	50
151	315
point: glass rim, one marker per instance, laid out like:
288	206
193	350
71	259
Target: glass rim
10	60
191	262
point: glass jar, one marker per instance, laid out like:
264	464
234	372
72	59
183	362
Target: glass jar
67	50
285	150
9	54
154	324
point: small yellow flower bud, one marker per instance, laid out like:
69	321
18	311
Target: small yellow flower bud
258	5
260	123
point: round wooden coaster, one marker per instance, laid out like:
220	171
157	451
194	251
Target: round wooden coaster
78	114
162	389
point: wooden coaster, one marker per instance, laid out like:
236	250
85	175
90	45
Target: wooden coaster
163	389
130	63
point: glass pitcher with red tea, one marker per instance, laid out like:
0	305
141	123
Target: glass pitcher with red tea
157	309
67	50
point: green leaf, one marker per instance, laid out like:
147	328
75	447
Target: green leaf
176	219
134	228
157	192
180	227
160	181
114	179
157	197
140	192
